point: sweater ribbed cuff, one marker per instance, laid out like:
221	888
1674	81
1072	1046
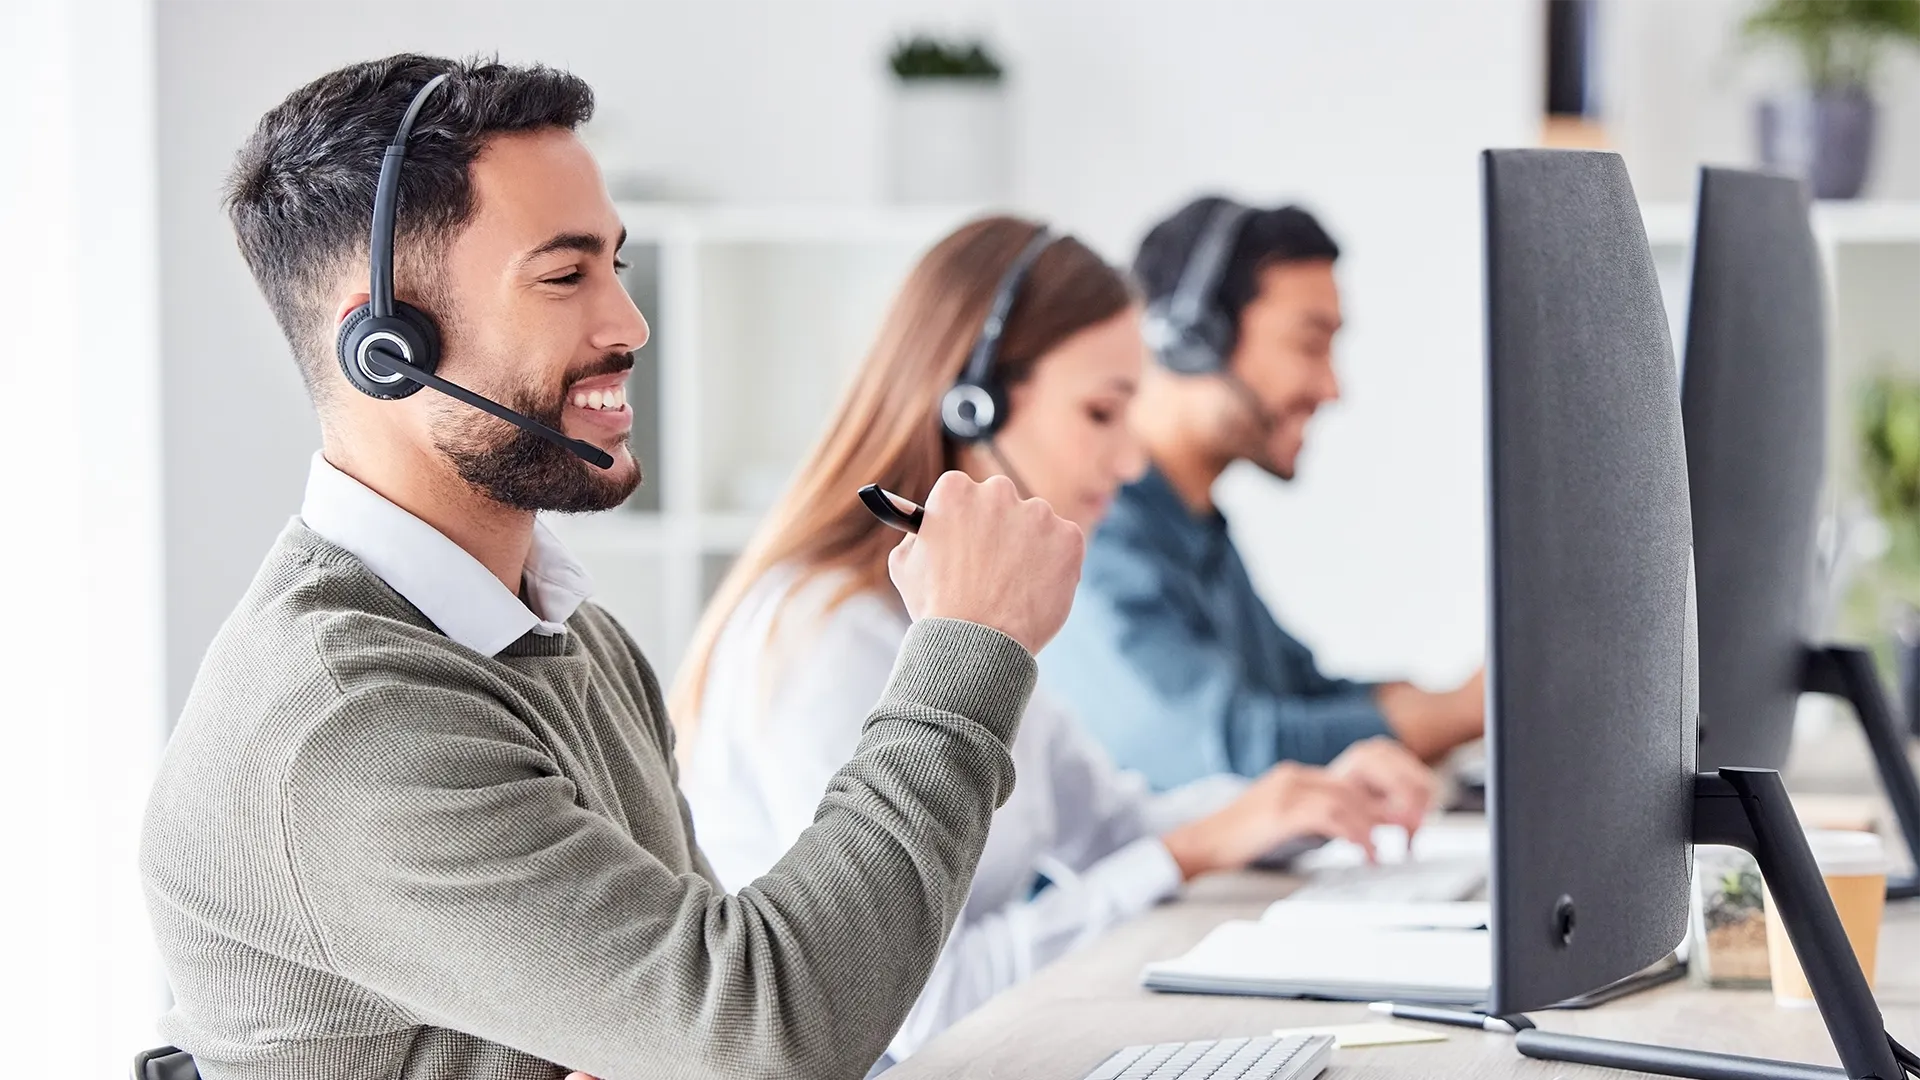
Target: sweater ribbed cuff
965	669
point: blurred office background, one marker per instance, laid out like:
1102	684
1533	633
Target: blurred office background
757	149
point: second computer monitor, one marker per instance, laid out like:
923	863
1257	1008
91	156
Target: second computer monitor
1753	394
1591	668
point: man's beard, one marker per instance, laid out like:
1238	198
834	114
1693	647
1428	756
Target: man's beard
514	467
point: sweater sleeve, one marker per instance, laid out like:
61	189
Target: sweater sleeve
1107	865
454	873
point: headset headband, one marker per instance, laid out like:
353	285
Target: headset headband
1206	265
980	361
386	196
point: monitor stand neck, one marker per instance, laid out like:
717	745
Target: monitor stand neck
1847	672
1748	808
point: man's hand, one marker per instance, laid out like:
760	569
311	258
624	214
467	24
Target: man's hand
987	556
1430	724
1400	785
1289	801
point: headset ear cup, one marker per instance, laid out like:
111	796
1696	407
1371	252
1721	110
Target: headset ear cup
972	411
426	351
346	343
1199	348
415	328
1188	353
1216	332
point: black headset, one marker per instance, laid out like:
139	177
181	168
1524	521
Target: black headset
976	405
389	350
1187	329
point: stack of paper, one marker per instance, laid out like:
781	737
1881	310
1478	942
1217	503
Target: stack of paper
1342	917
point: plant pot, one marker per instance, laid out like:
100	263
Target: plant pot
948	142
1825	136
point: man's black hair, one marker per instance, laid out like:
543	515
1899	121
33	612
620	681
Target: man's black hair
301	192
1266	237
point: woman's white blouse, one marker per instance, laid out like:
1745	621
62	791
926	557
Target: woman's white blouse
782	710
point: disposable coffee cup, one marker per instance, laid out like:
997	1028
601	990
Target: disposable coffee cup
1854	867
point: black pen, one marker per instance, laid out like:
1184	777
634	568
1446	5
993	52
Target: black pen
1453	1017
891	509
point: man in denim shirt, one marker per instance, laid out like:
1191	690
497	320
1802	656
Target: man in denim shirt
1170	655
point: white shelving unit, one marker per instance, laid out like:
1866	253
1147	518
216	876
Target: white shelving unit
759	316
1871	255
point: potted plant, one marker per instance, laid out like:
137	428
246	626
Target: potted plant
1730	920
949	126
1825	131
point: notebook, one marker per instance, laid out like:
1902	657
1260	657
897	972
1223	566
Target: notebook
1436	953
1431	952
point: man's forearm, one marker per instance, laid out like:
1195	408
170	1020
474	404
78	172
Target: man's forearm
1427	724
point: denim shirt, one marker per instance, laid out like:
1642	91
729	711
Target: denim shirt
1172	660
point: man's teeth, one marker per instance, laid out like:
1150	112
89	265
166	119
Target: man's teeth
615	398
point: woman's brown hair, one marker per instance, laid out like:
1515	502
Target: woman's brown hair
886	429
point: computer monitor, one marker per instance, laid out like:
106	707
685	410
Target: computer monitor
1753	399
1590	671
1594	800
1753	396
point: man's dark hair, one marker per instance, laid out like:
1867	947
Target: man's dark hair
1266	237
301	192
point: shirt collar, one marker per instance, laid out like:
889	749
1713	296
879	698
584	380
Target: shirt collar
1160	509
449	586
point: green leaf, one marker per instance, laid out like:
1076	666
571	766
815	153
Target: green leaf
926	57
1838	41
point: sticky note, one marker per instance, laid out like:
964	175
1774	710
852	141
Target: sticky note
1378	1034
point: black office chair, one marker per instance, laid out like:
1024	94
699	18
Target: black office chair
165	1063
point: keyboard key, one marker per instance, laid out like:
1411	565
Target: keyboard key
1265	1058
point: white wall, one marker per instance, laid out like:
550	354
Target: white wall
80	656
1372	113
1679	87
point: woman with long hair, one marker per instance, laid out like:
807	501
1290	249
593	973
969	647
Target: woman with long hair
800	639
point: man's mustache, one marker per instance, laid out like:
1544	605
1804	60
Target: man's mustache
610	364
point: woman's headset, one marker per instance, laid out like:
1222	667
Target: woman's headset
975	406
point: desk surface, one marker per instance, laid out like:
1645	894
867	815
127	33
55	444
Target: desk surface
1071	1015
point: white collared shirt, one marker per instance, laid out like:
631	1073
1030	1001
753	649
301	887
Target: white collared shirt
449	586
788	689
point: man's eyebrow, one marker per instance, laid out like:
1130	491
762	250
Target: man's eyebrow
582	242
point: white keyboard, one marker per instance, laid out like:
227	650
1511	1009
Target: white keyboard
1297	1057
1415	881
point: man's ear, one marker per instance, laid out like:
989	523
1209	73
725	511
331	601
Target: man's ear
347	304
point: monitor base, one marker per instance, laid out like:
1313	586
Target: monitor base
1664	1060
1847	672
1749	809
